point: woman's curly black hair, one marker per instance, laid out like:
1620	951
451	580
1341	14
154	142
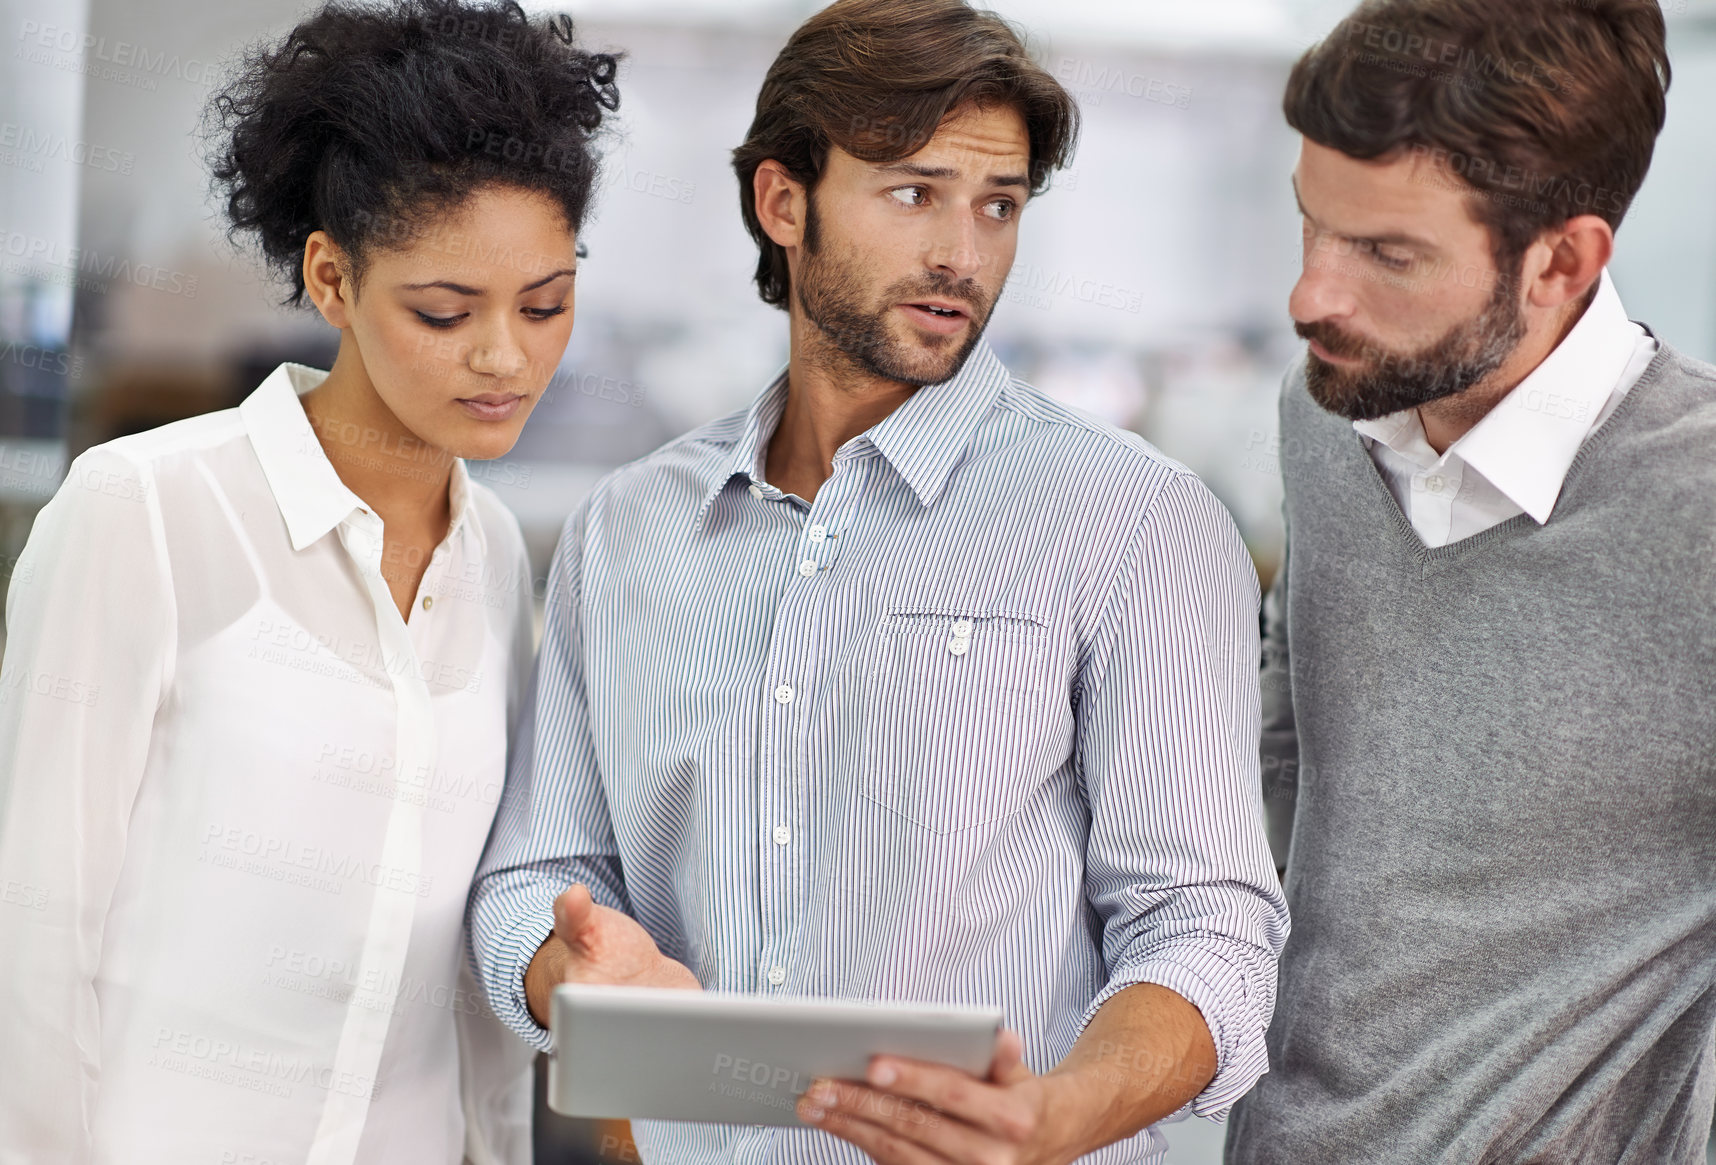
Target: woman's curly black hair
368	119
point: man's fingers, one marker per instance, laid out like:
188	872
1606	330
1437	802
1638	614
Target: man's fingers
893	1130
964	1097
677	974
1008	1067
605	946
573	912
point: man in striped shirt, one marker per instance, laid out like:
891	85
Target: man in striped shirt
906	683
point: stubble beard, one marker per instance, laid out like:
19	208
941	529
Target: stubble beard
831	293
1464	356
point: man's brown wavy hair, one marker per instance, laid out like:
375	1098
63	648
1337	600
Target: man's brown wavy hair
876	78
1541	110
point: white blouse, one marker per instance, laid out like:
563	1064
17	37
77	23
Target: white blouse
241	801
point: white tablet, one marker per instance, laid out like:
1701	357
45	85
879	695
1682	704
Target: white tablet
662	1054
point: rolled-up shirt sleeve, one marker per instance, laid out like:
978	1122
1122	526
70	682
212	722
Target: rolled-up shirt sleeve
552	828
1178	867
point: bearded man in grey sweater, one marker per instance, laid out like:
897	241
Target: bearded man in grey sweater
1489	683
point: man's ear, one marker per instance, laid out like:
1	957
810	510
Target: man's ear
781	204
327	279
1573	259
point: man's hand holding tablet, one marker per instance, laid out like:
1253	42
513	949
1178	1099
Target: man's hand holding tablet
597	944
1004	1115
1141	1057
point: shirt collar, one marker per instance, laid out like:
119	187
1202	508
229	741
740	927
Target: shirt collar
1396	430
749	450
1526	444
309	492
464	518
923	439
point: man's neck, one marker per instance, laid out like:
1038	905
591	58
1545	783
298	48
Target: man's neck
830	400
402	479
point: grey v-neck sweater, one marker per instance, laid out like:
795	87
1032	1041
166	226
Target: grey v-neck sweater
1500	761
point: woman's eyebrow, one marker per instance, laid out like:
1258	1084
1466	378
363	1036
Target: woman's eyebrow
461	289
448	284
549	278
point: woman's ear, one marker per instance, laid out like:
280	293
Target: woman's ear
327	279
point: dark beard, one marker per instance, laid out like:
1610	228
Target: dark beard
831	295
1393	381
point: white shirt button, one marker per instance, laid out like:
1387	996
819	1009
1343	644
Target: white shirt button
807	568
958	645
1433	484
777	975
962	629
755	490
428	601
783	694
818	532
782	834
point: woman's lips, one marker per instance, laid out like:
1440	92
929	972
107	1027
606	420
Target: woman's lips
491	406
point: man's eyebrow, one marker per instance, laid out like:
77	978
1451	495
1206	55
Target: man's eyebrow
1297	201
1395	239
461	289
949	174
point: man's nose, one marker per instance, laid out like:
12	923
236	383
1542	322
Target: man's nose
956	250
1320	292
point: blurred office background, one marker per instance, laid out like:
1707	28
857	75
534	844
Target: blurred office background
1150	287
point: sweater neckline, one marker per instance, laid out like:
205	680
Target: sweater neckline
1431	556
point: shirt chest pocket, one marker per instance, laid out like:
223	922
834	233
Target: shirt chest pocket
953	716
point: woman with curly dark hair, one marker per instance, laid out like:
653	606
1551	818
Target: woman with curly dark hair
264	663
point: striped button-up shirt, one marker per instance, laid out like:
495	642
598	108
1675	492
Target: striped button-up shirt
978	725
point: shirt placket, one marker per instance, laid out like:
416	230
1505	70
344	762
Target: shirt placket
395	878
1435	488
794	668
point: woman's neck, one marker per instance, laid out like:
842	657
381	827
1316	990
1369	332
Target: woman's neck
401	478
